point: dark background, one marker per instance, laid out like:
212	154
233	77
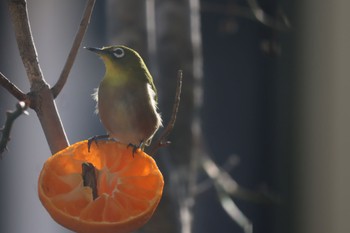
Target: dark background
247	108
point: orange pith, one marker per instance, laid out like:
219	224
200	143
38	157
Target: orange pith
129	188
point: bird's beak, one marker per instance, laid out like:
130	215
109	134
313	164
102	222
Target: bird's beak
96	50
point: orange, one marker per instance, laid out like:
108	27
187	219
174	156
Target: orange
129	188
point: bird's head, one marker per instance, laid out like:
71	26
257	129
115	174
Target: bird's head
118	58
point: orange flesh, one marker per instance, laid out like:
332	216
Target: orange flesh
129	187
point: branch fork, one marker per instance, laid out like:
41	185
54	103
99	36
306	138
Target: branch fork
41	97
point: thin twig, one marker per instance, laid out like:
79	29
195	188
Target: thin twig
252	12
221	178
233	210
162	139
12	88
10	118
266	19
56	89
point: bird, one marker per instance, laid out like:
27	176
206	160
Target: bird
127	97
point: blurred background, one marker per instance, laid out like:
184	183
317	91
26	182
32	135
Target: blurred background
262	140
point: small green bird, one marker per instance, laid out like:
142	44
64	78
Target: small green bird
126	97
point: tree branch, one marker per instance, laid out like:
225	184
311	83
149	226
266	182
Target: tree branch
228	185
41	98
20	21
12	88
10	118
253	12
162	139
56	89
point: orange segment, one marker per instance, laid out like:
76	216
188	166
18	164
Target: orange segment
129	188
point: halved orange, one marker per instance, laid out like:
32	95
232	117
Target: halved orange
129	188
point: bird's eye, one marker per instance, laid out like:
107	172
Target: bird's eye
118	52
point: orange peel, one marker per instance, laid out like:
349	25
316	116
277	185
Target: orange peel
129	188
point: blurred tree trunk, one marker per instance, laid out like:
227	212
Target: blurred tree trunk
175	32
126	24
174	52
168	43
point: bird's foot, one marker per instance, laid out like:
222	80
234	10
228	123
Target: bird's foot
136	148
96	138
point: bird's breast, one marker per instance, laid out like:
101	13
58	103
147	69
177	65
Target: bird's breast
128	111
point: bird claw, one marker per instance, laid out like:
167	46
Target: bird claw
135	148
95	139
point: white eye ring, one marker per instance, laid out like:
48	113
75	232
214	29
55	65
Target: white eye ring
118	53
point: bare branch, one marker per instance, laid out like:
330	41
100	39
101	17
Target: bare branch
20	21
267	20
252	12
12	88
56	89
41	98
233	210
223	180
162	139
10	118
